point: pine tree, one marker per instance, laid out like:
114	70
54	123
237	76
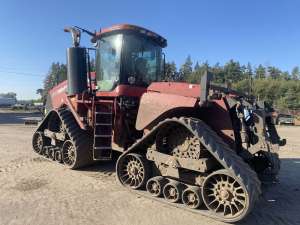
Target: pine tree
57	73
233	72
260	72
285	75
199	69
274	72
40	92
186	69
249	77
197	66
290	99
218	72
170	71
296	73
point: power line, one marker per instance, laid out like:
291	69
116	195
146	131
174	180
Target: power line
22	73
12	68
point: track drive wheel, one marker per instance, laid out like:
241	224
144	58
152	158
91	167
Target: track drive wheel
133	170
39	141
225	196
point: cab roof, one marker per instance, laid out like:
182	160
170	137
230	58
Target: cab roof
131	28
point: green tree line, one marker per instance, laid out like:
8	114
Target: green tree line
269	83
8	95
57	73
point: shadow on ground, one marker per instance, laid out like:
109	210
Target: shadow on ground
103	167
279	204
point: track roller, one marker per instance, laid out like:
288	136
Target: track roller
172	191
132	170
191	197
155	186
57	156
46	151
51	153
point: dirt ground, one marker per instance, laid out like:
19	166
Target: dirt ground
36	191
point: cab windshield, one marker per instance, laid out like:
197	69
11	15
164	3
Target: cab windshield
127	59
108	62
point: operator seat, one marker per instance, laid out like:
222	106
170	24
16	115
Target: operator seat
141	71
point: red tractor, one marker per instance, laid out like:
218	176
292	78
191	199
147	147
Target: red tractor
203	147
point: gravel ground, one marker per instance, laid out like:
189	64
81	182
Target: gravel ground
36	191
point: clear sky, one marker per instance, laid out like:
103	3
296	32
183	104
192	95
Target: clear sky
258	31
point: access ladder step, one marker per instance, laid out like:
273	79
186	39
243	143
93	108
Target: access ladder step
103	113
101	153
102	135
102	149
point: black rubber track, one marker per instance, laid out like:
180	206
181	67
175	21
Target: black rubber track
79	138
233	163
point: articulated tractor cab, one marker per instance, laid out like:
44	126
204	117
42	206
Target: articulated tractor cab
202	147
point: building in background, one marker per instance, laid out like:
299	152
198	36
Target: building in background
7	101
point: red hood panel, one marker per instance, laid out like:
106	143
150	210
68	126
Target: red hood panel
176	88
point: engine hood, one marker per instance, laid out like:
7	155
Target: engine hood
176	88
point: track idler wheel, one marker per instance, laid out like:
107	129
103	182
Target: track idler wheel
155	186
191	197
133	170
226	196
172	191
39	141
69	154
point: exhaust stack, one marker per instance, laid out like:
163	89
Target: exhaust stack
76	64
